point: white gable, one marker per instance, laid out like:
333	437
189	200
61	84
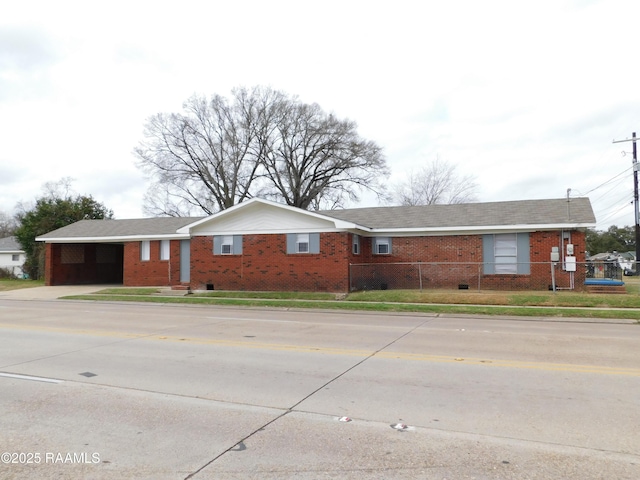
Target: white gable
260	216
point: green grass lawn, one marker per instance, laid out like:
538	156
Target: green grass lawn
538	303
541	299
7	284
541	303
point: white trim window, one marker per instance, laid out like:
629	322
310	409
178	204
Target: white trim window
355	244
505	253
381	245
305	243
302	243
227	244
145	250
226	247
165	249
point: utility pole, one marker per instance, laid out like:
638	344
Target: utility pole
636	212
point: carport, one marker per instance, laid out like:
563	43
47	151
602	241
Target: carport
103	251
84	263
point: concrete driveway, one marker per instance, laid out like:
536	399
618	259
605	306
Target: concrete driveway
50	293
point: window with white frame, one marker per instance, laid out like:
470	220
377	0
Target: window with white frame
355	244
308	243
381	245
505	253
226	247
145	250
302	243
165	249
15	258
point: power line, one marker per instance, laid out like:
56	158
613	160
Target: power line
613	214
615	185
610	180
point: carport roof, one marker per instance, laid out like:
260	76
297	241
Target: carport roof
138	228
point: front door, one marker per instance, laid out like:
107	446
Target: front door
185	261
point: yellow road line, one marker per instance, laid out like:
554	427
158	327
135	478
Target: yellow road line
387	355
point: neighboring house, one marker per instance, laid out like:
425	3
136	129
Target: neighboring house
12	256
263	245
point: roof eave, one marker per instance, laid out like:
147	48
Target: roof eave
112	238
475	230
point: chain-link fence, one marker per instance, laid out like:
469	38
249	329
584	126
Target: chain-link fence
607	270
479	276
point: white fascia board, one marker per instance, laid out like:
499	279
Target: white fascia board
268	232
465	230
129	238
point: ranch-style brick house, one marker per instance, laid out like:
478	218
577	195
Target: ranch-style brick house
260	245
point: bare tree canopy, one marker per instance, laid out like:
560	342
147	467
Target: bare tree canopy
203	157
436	183
260	142
8	225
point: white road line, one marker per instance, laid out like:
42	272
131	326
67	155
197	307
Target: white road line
29	377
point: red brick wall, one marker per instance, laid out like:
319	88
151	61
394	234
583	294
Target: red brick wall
265	265
541	244
48	264
152	272
466	252
451	248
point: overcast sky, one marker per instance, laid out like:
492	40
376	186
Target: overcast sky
525	96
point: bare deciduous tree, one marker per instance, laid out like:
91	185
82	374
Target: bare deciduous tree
312	158
8	225
261	142
204	156
437	182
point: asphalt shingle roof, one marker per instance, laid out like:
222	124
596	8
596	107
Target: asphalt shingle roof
121	228
10	244
520	212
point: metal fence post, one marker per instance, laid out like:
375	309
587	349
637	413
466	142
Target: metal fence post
420	274
350	278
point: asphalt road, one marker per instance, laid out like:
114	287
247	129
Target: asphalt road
118	391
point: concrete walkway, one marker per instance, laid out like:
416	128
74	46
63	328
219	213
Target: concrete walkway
50	293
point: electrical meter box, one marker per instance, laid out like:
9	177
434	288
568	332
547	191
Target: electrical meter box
570	264
569	248
555	254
